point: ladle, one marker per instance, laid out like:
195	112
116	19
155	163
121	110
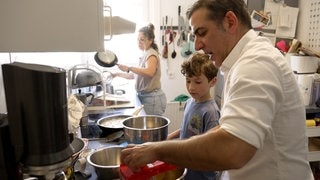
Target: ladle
174	54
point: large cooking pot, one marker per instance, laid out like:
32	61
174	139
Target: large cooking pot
106	162
111	124
141	129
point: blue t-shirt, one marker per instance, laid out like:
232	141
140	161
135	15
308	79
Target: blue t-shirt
199	118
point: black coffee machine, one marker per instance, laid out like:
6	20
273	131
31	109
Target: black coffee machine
34	138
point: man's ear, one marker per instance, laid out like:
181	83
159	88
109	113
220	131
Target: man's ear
230	22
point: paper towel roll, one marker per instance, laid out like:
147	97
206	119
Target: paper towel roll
305	82
304	64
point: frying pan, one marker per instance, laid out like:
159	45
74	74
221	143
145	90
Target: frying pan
113	123
106	58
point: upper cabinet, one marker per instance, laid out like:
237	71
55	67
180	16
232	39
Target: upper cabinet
51	25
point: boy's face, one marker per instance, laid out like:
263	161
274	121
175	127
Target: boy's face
199	87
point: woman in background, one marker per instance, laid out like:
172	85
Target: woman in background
147	74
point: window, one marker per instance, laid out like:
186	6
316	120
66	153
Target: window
125	46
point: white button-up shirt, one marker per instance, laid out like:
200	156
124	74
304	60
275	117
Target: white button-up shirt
262	106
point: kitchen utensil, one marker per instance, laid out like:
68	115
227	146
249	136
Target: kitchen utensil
172	35
174	53
106	58
109	138
165	47
145	128
138	110
114	123
180	28
165	50
187	49
111	124
106	162
163	32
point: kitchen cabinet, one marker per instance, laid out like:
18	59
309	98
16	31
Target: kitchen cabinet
51	26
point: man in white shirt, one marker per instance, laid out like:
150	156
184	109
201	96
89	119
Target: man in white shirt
262	125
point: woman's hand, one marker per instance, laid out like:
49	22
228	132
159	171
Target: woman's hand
123	67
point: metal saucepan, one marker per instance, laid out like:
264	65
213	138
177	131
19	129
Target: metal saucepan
106	58
148	128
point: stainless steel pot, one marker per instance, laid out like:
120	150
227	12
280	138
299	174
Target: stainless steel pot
141	129
78	146
106	162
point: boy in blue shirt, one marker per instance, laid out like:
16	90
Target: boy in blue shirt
201	112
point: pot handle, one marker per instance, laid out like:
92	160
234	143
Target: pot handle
91	97
137	111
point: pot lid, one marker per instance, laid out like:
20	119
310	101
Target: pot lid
86	78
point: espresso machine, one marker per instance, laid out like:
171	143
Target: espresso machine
35	143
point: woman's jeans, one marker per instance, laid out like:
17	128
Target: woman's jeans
154	102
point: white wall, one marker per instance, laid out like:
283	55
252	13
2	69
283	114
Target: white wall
173	82
304	21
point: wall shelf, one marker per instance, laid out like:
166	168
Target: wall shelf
312	109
